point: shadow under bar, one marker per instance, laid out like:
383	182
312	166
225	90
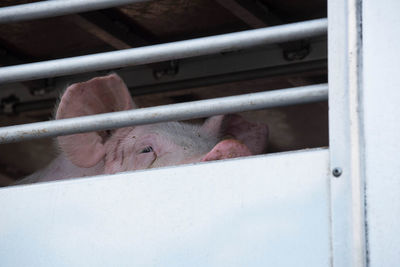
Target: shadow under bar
164	52
173	112
52	8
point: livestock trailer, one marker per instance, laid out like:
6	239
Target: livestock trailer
329	198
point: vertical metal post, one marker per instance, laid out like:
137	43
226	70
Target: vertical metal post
346	134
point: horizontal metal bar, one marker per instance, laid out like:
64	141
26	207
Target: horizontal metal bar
183	111
54	8
192	72
318	65
163	52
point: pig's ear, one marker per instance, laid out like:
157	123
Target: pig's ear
98	95
253	135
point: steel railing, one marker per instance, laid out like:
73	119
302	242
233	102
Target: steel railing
145	55
54	8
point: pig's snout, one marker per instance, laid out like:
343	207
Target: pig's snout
227	149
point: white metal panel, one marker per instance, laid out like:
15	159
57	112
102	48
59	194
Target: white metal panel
381	41
259	211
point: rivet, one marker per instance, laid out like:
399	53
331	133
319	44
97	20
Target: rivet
337	172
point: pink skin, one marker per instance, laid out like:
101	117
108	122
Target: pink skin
227	149
141	147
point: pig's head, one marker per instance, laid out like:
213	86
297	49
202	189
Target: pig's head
148	146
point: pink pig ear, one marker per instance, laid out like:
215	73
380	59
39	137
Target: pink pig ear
253	135
98	95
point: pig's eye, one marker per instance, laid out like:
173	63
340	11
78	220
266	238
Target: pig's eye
147	149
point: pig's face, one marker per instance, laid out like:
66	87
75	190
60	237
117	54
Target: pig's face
149	146
156	145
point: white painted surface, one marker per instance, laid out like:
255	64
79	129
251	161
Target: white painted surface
345	134
381	43
260	211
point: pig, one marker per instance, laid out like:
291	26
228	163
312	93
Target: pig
145	146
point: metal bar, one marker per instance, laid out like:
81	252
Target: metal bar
183	111
193	72
54	8
164	52
313	66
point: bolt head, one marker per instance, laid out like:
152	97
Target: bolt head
337	172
